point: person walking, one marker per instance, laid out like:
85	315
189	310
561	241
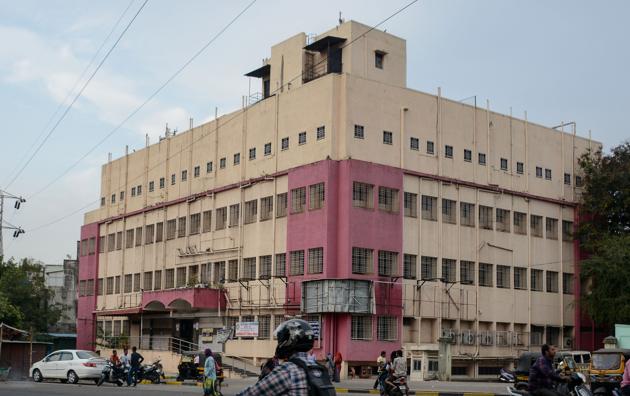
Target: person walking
338	361
330	365
381	362
135	360
209	374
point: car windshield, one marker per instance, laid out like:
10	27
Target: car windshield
606	361
87	355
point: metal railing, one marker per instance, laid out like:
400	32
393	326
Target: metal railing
151	343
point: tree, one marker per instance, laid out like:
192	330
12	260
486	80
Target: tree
9	313
604	234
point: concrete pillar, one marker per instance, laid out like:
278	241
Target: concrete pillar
444	359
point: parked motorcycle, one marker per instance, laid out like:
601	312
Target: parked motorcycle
575	387
506	376
151	372
400	387
112	374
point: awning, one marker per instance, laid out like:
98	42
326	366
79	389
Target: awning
260	72
324	43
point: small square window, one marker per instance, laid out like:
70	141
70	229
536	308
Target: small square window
321	132
430	147
222	163
237	158
388	137
209	167
482	158
467	155
284	144
538	172
359	132
196	171
520	168
267	148
448	151
302	138
252	153
184	175
504	164
548	174
567	179
378	59
414	143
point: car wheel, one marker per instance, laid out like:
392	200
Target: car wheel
37	376
73	378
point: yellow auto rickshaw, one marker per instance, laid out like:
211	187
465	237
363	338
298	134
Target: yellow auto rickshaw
607	367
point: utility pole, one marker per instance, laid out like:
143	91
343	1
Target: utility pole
6	225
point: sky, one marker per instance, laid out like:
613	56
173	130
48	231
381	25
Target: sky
558	60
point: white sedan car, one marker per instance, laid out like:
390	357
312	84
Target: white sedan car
68	365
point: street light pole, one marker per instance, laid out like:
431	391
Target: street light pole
17	230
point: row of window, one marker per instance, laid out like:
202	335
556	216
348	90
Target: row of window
362	328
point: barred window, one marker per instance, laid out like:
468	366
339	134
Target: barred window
467	272
536	280
428	268
193	275
552	282
387	329
359	131
237	158
448	151
520	168
159	232
539	172
157	280
504	164
147	281
414	143
297	262
128	283
535	224
99	287
173	179
578	181
280	265
267	149
136	282
467	155
485	217
503	220
567	283
207	221
249	269
149	232
485	274
222	163
467	214
180	281
410	263
101	244
548	174
482	158
316	260
388	137
567	230
449	211
208	166
361	260
362	195
317	196
264	327
281	205
119	240
520	223
298	200
232	271
302	138
266	208
204	273
219	272
321	132
430	147
162	182
429	208
251	211
129	239
265	267
387	263
285	143
117	284
138	236
91	245
411	204
388	199
520	278
235	213
361	327
196	171
110	285
169	278
89	287
449	270
171	229
181	227
503	276
552	228
195	223
252	153
221	218
184	175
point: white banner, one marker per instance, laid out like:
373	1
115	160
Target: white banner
246	329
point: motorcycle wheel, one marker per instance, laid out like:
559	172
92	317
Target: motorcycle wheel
155	379
119	383
99	382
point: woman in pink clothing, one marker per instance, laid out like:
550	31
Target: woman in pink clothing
625	382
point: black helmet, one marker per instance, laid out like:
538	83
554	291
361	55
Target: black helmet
294	335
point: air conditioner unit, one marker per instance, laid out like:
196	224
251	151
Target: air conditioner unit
450	333
517	339
468	337
486	338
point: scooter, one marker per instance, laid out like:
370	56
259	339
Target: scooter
400	387
150	372
506	376
575	387
113	374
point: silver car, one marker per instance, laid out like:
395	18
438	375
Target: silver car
68	365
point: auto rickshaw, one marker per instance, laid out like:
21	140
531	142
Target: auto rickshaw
607	367
189	370
563	361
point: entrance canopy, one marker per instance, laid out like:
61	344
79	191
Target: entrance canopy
183	299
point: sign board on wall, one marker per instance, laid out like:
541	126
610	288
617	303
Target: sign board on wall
246	329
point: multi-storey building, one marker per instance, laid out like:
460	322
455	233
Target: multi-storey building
390	217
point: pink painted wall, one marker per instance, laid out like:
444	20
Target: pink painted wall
196	297
88	269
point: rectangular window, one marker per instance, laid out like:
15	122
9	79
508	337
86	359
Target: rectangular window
207	221
232	271
117	284
139	189
113	198
136	282
361	260
316	196
387	329
157	280
162	182
485	217
535	224
297	263
449	270
267	149
196	171
504	164
133	193
128	283
173	179
110	285
102	201
181	227
266	208
180	281
119	240
449	211
362	195
91	245
195	223
99	287
429	207
264	327
235	214
280	265
414	143
467	155
208	166
567	179
316	260
548	174
298	200
184	175
578	181
204	273
378	59
284	144
252	153
520	278
536	280
361	327
551	228
503	276
411	204
388	137
430	147
159	232
503	220
410	264
147	281
251	211
359	132
485	274
567	231
265	267
248	271
221	220
448	151
219	272
552	282
428	268
138	236
237	158
467	272
520	223
101	244
387	263
481	158
520	168
151	186
567	283
302	138
321	132
388	199
129	239
222	163
539	172
467	214
281	205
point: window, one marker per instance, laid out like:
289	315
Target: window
128	283
449	270
159	232
302	138
410	263
173	179
208	166
359	132
386	328
504	164
235	213
264	327
297	263
411	204
567	231
539	172
251	211
113	198
520	223
162	182
181	227
221	218
567	179
184	175
448	151
467	272
99	287
536	280
102	201
503	220
193	275
136	282
321	132
429	208
467	155
266	208
388	199
361	327
207	221
222	163
117	284
219	272
316	260
267	149
449	211
552	282
147	279
119	240
91	245
362	196
428	268
157	280
298	200
196	171
388	137
138	236
387	263
467	214
110	285
551	228
520	278
378	59
317	196
237	158
195	223
129	239
265	267
249	269
578	181
414	143
485	217
284	143
503	276
361	260
281	264
180	281
485	274
567	283
252	153
520	168
430	147
101	244
151	186
535	225
481	158
548	174
281	205
232	271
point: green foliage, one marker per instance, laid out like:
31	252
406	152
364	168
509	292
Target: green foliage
9	313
